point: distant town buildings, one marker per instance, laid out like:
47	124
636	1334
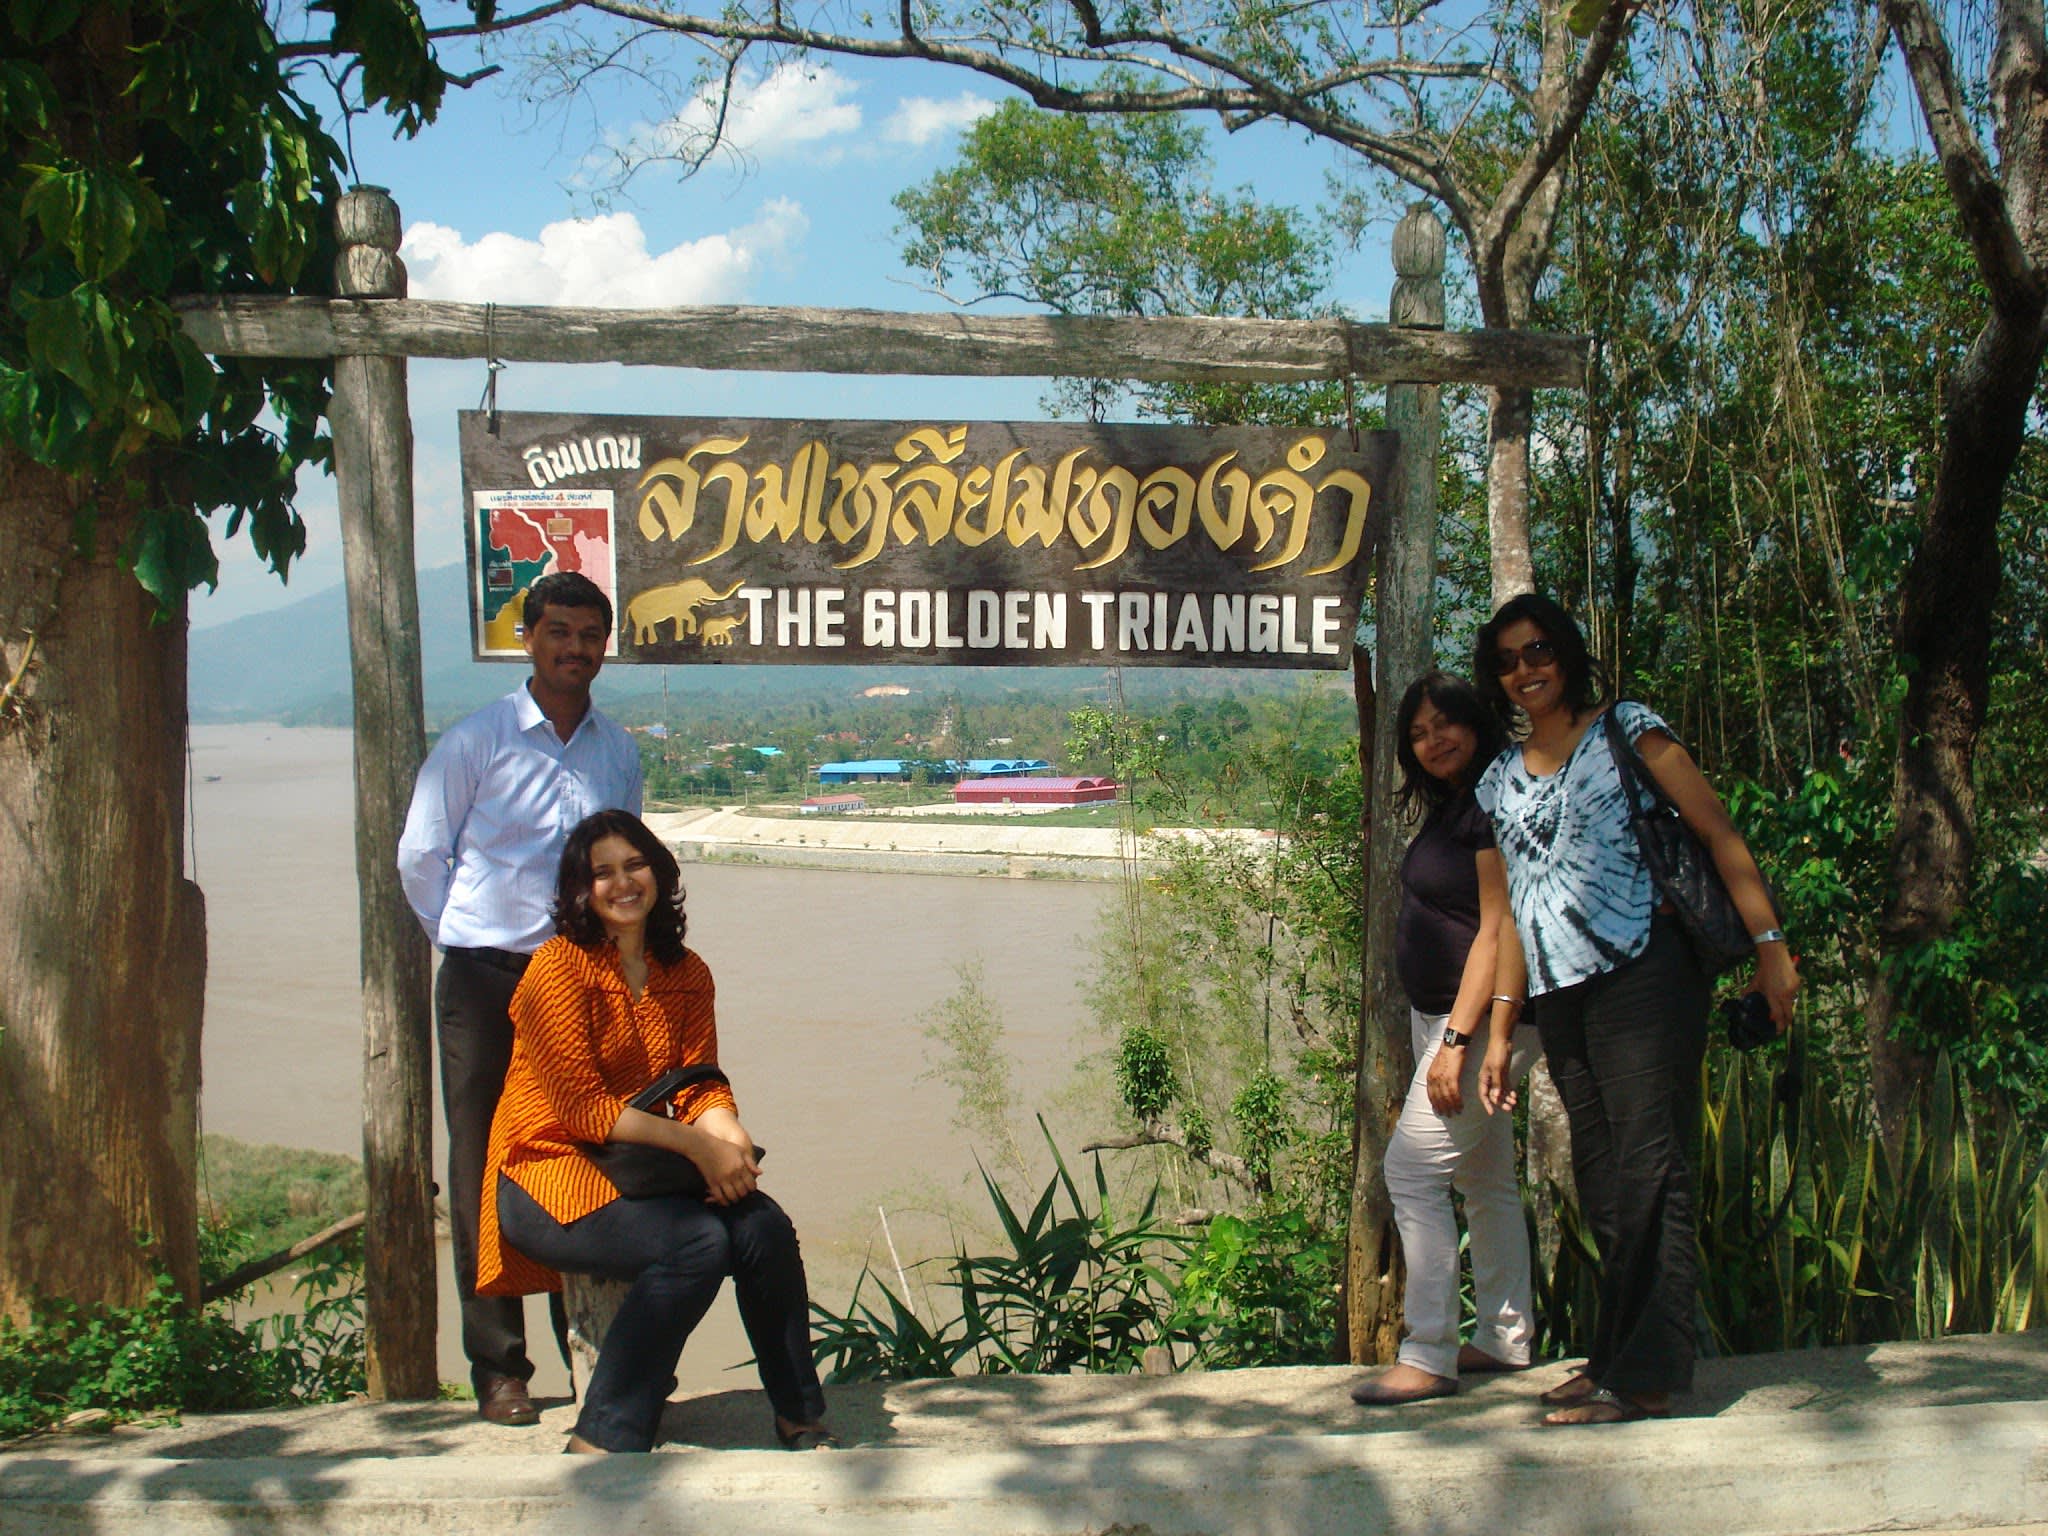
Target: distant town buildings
1033	791
832	805
897	770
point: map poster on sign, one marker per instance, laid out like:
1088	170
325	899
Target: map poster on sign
517	537
940	542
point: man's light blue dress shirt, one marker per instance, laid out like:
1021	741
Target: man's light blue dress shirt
494	804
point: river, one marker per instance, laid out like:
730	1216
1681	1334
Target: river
823	976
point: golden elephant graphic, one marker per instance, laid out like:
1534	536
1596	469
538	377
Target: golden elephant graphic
678	601
718	629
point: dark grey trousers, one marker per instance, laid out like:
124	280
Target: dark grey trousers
677	1250
1625	1050
474	1030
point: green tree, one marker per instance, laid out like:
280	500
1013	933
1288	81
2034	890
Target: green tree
148	148
1113	216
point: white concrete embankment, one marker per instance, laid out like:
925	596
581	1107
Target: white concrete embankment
1012	846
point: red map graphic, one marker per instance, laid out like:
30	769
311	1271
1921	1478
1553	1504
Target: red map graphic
529	536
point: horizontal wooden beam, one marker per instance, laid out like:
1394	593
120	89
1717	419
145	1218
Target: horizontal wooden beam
872	341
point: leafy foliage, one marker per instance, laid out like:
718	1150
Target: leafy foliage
158	148
164	1356
1810	1236
1262	1290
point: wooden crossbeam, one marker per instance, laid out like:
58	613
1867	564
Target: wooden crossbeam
870	341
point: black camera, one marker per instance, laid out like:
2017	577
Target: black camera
1749	1021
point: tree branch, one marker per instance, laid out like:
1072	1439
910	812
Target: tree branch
1553	138
249	1273
327	48
2002	259
1157	1134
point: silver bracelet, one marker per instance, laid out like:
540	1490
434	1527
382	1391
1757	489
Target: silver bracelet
1768	936
1516	1002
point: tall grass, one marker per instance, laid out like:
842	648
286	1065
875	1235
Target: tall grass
1810	1235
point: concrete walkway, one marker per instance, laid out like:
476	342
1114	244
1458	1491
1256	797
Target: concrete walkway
1897	1437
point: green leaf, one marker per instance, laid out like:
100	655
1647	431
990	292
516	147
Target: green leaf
1582	16
25	96
170	553
37	22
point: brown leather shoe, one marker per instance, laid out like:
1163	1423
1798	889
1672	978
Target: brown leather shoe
505	1400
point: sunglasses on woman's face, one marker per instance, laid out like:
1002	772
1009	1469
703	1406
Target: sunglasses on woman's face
1536	655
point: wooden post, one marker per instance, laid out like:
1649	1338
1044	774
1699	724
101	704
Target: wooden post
1404	588
373	479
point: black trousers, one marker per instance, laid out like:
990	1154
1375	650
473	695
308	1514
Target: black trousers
676	1251
472	997
1624	1050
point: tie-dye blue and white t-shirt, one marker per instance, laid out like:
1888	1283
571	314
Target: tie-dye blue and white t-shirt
1579	892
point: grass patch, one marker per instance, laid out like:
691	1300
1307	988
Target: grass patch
273	1196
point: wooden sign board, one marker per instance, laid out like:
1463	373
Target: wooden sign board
976	543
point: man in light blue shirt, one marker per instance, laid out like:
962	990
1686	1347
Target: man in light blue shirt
494	804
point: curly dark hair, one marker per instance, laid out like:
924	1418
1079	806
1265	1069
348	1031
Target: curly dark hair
1460	703
571	909
1585	680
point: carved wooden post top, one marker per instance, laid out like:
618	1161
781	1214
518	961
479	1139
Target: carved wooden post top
367	224
1418	297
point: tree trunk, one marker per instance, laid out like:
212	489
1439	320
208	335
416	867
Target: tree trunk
1945	609
1508	414
102	939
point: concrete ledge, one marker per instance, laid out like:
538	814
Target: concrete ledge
1957	1468
1921	1437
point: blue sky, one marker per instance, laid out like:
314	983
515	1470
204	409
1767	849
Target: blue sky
495	197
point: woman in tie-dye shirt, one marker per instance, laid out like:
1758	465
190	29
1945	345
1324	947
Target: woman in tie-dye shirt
1613	987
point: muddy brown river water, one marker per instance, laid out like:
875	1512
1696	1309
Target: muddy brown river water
822	978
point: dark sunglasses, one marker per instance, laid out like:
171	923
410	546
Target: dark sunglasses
1536	655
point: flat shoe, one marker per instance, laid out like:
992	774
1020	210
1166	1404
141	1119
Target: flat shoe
1575	1388
1601	1406
1370	1394
812	1438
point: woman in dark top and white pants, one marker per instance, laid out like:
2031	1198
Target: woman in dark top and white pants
1453	904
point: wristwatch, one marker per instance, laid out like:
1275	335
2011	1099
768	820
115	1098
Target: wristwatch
1452	1037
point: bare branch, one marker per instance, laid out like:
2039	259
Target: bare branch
1157	1134
327	48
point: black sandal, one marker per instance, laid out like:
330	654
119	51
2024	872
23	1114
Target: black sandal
1601	1406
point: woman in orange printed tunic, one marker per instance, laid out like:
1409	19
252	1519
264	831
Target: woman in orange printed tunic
609	1004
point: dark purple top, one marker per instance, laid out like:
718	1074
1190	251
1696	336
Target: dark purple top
1439	914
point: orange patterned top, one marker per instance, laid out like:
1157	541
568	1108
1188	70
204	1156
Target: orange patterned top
581	1046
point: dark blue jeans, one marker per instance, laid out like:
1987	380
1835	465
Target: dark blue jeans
1624	1050
676	1251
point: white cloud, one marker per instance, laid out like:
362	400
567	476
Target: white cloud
599	262
918	120
794	108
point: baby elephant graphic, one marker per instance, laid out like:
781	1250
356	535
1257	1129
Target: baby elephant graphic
718	630
678	601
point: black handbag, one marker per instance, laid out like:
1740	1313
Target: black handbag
639	1172
1679	863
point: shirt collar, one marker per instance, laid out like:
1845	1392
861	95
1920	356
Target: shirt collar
528	713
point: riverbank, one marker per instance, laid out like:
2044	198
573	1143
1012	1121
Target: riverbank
1008	847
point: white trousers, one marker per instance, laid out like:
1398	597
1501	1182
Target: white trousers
1475	1151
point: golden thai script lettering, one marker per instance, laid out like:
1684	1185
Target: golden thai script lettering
580	456
924	495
